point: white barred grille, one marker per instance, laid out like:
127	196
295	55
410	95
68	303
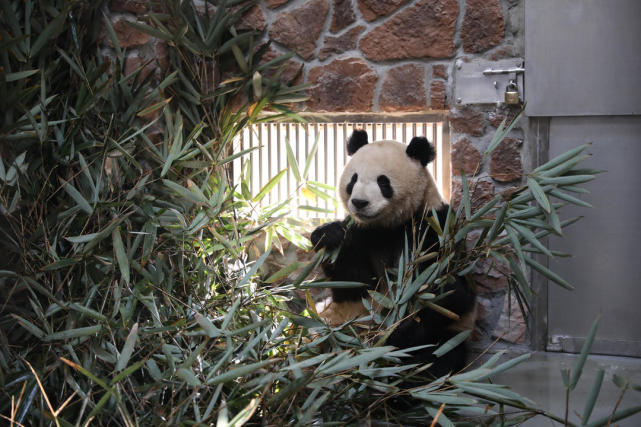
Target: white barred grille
326	166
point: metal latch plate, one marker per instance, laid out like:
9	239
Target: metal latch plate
473	86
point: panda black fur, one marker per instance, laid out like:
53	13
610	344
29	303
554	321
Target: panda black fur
388	192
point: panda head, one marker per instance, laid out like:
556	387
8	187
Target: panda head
385	182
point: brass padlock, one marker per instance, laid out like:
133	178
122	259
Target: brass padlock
512	93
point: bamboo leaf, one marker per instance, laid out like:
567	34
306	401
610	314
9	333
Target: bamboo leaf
619	415
594	394
310	157
207	325
241	371
466	197
585	350
548	273
77	197
30	327
338	284
127	349
12	77
452	343
291	161
121	254
245	414
381	299
538	194
561	158
188	376
269	186
47	34
73	333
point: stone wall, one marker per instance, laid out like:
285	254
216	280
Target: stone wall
395	56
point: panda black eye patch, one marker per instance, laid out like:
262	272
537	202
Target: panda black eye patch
352	181
385	186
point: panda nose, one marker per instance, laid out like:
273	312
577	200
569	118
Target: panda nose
359	203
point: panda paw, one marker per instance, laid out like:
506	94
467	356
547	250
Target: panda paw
328	235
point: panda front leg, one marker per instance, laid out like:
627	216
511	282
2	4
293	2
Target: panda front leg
329	235
350	265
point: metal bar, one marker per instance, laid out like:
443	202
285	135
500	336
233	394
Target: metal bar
515	70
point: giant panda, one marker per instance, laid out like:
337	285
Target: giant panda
388	193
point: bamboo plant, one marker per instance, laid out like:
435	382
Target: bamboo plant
129	296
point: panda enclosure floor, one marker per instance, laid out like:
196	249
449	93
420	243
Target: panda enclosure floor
539	379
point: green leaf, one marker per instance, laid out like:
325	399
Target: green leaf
245	414
77	197
561	158
466	197
538	194
48	34
11	77
62	263
619	415
340	285
594	394
531	238
257	84
501	133
291	161
269	186
30	327
381	299
548	273
188	376
253	269
82	239
310	157
121	254
73	333
567	180
241	371
564	196
207	325
127	349
88	311
236	155
585	350
452	343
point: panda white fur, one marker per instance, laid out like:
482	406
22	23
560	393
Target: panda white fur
388	192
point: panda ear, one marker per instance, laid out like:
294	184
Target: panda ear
421	150
356	141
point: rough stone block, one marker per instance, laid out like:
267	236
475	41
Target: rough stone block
343	15
439	71
273	4
505	161
253	19
465	158
468	120
483	25
339	44
511	326
127	35
481	192
291	73
438	96
403	89
424	30
342	85
373	9
300	28
131	6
